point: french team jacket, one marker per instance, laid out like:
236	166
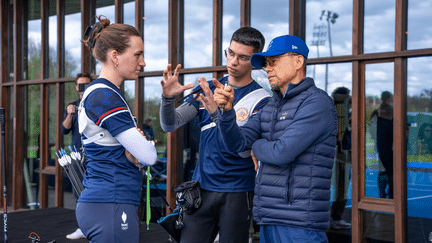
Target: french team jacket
294	138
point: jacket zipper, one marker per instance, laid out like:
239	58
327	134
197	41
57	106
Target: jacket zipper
290	188
274	117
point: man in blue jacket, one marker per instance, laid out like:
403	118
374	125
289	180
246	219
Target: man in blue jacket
294	139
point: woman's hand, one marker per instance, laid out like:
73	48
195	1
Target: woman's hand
132	159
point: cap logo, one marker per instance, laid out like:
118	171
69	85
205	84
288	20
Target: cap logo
270	45
294	47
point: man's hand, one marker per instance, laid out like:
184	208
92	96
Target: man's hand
170	85
207	100
71	109
255	160
223	95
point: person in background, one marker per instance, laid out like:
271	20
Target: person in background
384	139
341	168
226	178
114	146
425	139
70	124
148	129
294	140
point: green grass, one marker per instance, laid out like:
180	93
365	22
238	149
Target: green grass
420	158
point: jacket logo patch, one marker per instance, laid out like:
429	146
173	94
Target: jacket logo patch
242	114
283	116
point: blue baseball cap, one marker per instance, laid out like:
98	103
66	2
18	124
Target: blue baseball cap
280	45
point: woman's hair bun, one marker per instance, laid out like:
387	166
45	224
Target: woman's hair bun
104	22
104	36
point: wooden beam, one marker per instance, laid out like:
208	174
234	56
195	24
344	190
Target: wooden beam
4	75
401	27
60	38
44	39
297	18
217	34
400	139
43	146
59	144
400	124
355	153
139	82
59	100
4	11
43	141
85	22
358	27
48	170
118	11
17	153
372	56
245	13
173	146
373	206
139	16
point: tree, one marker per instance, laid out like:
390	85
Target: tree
421	102
33	93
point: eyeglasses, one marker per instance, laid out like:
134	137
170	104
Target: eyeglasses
270	61
230	54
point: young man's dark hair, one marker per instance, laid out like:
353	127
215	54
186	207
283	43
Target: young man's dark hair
250	37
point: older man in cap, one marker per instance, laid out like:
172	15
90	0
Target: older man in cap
294	139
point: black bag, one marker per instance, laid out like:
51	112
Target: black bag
188	195
188	200
169	223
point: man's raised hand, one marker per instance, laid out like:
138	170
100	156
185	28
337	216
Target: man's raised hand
223	95
207	99
170	85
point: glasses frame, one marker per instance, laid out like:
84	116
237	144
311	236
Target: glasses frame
242	58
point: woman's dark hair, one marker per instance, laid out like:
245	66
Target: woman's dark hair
105	37
250	37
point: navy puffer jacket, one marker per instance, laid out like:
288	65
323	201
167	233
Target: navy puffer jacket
294	138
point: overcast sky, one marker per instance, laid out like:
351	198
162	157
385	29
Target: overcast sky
271	18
